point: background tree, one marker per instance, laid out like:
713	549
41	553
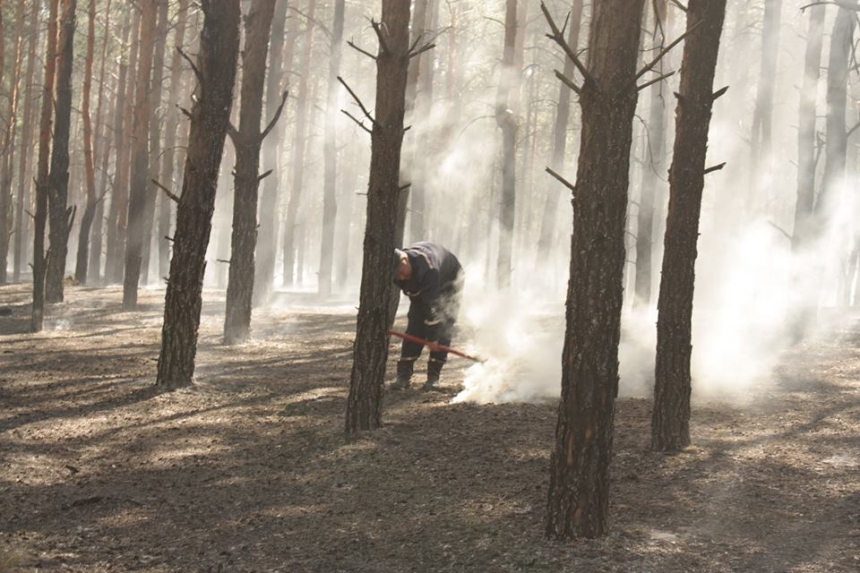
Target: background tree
210	117
670	420
366	384
247	141
578	503
507	120
61	214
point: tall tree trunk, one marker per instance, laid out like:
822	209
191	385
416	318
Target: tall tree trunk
58	180
507	120
670	420
6	202
24	178
578	503
652	170
366	385
156	120
118	203
210	116
841	41
168	162
280	66
247	141
82	259
140	156
559	139
299	143
763	112
41	216
330	153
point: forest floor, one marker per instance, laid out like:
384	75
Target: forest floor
249	469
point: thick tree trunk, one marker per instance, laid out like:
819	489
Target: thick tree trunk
578	503
168	162
141	135
210	116
330	153
559	139
670	421
299	143
58	181
41	215
24	179
366	385
247	141
82	259
507	120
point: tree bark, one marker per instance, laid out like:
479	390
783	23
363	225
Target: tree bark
27	135
330	153
366	385
507	120
82	260
139	183
578	502
58	181
670	421
247	141
299	143
210	116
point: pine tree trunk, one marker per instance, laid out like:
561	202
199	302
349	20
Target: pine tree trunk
58	181
210	116
578	503
168	162
247	141
139	183
507	121
280	66
24	178
299	143
330	153
366	385
82	259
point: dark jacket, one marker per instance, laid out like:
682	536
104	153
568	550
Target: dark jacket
436	275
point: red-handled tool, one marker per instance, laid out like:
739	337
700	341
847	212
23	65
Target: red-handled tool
411	338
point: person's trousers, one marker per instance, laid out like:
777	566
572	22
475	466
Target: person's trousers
410	351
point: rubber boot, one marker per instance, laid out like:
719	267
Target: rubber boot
434	374
404	375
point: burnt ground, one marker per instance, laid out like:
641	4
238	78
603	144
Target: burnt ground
249	470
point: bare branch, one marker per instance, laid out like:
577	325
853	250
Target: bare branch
357	100
167	191
666	50
276	117
564	79
264	175
714	168
378	29
719	93
360	50
233	133
561	179
191	63
852	130
557	37
655	80
424	48
350	116
222	261
780	229
680	6
841	3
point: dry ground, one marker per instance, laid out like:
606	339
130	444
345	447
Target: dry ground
249	470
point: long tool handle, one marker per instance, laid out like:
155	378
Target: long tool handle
411	338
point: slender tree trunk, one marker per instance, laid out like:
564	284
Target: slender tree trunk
210	117
268	230
366	385
140	156
118	205
156	120
578	502
24	179
347	205
58	180
82	260
247	141
507	121
168	162
299	144
330	152
670	421
559	139
41	216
